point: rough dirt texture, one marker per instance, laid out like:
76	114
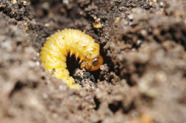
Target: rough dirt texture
143	79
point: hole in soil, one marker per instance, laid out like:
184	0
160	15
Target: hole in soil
128	108
18	43
163	32
97	102
34	85
140	68
110	64
43	78
127	38
72	64
127	76
18	86
99	121
34	2
114	107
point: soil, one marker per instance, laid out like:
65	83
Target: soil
143	79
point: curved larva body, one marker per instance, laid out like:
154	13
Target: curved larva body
54	53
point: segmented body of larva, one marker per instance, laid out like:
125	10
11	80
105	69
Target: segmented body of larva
54	53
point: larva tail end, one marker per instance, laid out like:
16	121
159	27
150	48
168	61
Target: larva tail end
71	83
75	86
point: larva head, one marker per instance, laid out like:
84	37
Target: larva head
93	64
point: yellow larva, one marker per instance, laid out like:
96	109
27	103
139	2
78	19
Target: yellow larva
54	53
